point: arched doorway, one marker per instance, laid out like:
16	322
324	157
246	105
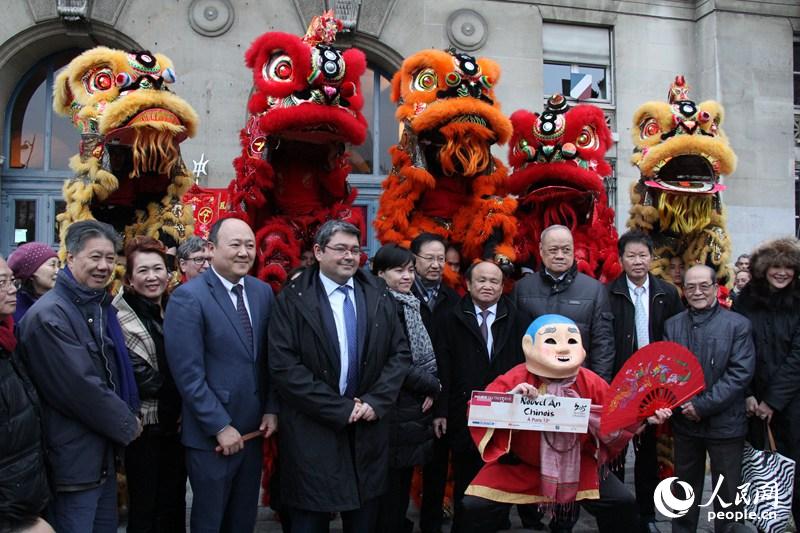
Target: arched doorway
38	145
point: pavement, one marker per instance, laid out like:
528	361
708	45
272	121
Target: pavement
267	522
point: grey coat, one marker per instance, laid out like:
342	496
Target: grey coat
723	344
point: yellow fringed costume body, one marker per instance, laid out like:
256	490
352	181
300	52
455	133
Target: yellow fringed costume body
682	152
129	170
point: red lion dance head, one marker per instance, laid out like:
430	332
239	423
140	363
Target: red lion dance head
559	166
292	174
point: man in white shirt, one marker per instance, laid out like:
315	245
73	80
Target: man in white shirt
640	304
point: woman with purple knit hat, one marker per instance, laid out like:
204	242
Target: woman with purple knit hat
35	266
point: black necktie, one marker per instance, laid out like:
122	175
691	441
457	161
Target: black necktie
485	328
241	310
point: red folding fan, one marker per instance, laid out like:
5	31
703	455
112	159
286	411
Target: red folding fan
662	374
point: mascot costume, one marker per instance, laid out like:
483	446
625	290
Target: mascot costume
682	153
553	469
444	179
559	167
292	173
129	172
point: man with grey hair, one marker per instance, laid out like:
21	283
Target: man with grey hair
714	421
193	258
558	288
73	346
337	357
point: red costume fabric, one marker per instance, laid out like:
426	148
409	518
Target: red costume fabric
522	483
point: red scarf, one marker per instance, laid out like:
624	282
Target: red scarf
8	341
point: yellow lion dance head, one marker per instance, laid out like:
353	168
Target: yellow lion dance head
129	170
682	152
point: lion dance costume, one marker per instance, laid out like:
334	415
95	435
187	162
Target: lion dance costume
682	152
559	166
444	178
129	172
292	173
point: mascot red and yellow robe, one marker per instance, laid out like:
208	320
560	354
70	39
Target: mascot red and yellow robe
444	179
682	153
129	172
292	173
559	165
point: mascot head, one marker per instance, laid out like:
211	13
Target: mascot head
681	152
446	102
553	347
307	97
129	169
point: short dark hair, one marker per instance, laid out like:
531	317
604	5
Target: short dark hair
742	256
213	233
468	273
391	256
78	233
424	238
142	244
637	236
192	245
328	229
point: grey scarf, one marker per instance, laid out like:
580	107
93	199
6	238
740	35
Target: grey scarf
418	339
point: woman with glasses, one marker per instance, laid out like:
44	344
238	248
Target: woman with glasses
411	420
771	300
35	266
154	462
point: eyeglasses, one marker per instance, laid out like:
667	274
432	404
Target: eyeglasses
344	250
7	283
199	261
432	258
704	287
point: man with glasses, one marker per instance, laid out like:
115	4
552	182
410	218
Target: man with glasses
337	358
435	300
194	258
714	421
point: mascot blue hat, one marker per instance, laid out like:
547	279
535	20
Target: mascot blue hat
546	320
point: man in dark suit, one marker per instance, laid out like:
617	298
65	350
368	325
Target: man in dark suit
215	335
640	304
436	299
338	356
480	339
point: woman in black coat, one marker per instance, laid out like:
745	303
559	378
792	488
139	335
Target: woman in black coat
772	303
23	483
411	419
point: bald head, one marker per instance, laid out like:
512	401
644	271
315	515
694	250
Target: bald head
557	249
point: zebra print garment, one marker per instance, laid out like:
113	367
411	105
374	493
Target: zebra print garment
771	484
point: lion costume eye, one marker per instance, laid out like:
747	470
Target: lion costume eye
98	80
278	68
426	80
649	128
587	139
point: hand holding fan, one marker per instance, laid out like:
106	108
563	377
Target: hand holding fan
662	374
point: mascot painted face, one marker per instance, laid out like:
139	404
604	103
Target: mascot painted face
553	347
292	174
559	166
129	171
444	178
682	153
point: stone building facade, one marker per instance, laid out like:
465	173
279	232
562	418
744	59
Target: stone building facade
743	53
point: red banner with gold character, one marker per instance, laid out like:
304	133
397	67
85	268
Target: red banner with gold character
208	206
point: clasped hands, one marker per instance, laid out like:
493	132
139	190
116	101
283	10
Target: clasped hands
760	409
362	411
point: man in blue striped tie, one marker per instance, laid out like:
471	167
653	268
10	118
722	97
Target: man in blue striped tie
338	356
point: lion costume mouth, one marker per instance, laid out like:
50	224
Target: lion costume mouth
687	174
